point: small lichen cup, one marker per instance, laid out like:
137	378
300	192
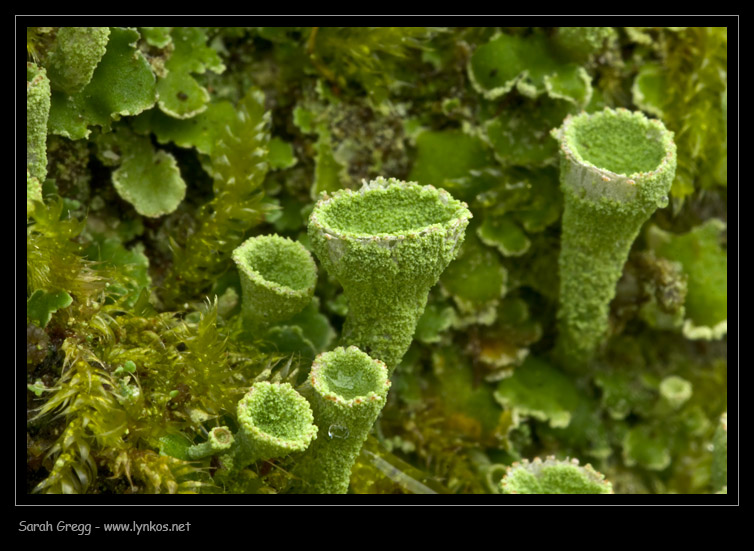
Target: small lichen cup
552	476
347	389
273	421
387	245
616	169
278	277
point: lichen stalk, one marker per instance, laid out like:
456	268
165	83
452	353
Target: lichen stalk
616	169
37	114
387	244
347	389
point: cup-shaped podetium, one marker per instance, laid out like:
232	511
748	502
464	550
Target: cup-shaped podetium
273	421
278	277
553	476
347	389
387	244
616	169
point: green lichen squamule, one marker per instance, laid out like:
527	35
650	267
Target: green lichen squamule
277	278
348	389
273	421
616	169
387	244
553	477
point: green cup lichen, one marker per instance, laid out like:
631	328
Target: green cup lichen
220	439
616	169
675	391
273	421
348	390
387	244
553	477
277	278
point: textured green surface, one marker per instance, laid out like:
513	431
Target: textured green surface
37	112
387	244
277	278
273	420
348	390
75	55
616	169
554	477
122	85
151	354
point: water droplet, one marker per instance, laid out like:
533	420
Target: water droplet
663	202
338	431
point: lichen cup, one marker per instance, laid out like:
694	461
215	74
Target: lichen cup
273	421
553	476
616	169
387	244
347	390
278	277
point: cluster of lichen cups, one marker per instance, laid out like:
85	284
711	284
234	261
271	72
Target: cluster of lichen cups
387	244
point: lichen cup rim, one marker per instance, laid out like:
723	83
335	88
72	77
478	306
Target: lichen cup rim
307	429
458	211
276	287
632	182
378	371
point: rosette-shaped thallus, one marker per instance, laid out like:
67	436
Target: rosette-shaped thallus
278	277
387	245
273	421
347	389
616	169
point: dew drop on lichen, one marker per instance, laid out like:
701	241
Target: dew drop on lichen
663	202
337	431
